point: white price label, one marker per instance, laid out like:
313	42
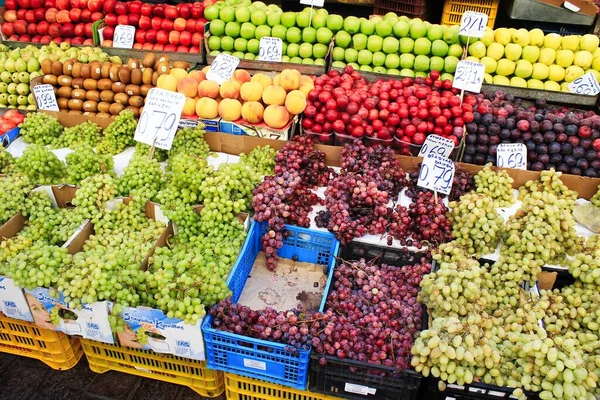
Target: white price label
473	24
511	155
313	3
359	389
469	76
45	97
439	145
222	68
270	49
255	364
124	37
437	173
586	85
160	119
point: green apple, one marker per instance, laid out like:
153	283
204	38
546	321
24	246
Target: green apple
293	50
214	43
296	60
490	64
259	17
335	22
293	35
249	56
308	61
253	46
436	63
477	49
393	71
379	70
505	67
274	18
238	54
392	61
451	34
227	14
262	31
211	12
365	57
540	71
589	43
227	43
278	31
421	63
288	19
407	61
217	27
407	45
351	25
319	20
375	43
408	72
456	50
365	68
242	14
450	63
232	29
309	35
378	58
523	69
439	48
240	44
401	29
247	30
422	46
354	65
343	39
305	50
335	64
384	29
303	19
359	41
319	50
418	29
390	45
367	27
215	53
324	35
435	32
350	55
283	47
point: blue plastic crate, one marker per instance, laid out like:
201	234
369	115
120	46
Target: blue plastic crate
9	136
260	359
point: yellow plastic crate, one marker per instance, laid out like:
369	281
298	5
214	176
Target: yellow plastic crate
54	349
242	388
104	357
454	9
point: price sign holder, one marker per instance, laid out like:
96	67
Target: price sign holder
473	24
160	119
437	174
45	97
124	37
586	85
511	155
435	144
222	68
270	49
468	76
312	4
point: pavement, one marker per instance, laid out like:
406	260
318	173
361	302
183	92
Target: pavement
24	378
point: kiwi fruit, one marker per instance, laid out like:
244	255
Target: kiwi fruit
86	71
57	68
162	58
105	70
50	79
47	66
107	96
132	90
113	73
116	108
136	76
118	87
64	80
90	106
63	103
96	70
103	115
76	72
105	84
103	107
75	104
144	89
134	63
125	75
92	95
78	94
64	91
77	83
135	110
68	67
149	60
181	64
136	101
163	68
121	98
90	84
147	76
89	113
78	112
154	78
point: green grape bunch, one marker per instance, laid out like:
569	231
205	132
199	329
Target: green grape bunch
6	160
37	266
261	159
550	182
118	135
40	128
595	200
495	184
190	141
13	191
84	134
85	162
142	176
41	165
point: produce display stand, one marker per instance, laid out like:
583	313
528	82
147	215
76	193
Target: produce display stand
243	388
55	349
148	364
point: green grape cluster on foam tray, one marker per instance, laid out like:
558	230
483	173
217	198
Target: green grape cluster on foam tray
119	134
84	162
595	200
495	184
261	159
6	160
550	182
85	134
13	190
40	128
190	141
41	165
143	176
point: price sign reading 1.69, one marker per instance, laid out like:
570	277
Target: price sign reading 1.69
586	85
124	36
270	49
437	173
439	145
45	97
160	119
469	76
511	155
222	68
473	24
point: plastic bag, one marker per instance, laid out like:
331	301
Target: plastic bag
588	215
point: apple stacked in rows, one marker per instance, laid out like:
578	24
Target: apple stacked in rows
159	27
399	113
43	21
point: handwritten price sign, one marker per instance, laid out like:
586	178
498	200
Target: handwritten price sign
160	119
473	24
438	145
222	68
511	155
469	76
45	97
270	49
586	85
437	173
124	36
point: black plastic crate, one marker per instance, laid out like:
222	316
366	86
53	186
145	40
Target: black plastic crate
384	254
473	391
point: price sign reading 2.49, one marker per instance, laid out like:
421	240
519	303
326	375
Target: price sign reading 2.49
222	68
160	119
473	24
439	145
469	76
270	49
124	36
437	173
511	155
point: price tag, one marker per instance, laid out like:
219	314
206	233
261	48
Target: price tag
586	85
124	37
437	173
511	155
222	68
435	144
45	97
469	76
313	3
271	49
160	118
473	24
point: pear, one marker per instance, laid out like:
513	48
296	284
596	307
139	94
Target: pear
10	65
31	106
4	99
2	68
23	89
6	78
24	77
65	46
3	87
33	65
15	77
83	58
31	100
15	54
35	74
12	88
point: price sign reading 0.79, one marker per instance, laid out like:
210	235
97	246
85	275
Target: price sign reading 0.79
511	155
437	174
45	97
473	24
222	68
160	119
124	36
270	49
469	76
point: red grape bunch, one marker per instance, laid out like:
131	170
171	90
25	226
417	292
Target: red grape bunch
301	157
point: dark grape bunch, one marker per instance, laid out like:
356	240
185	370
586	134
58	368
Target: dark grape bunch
301	157
429	220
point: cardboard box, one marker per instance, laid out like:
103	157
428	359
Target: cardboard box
240	127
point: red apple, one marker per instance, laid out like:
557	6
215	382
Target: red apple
182	49
140	36
108	33
75	4
179	24
145	22
10	16
21	13
49	4
123	20
75	14
30	16
20	27
197	39
7	29
108	6
88	42
40	14
185	38
110	20
147	46
170	48
190	25
185	11
62	17
77	40
134	20
10	4
151	36
200	26
171	12
58	40
166	25
174	38
197	11
63	4
138	46
135	7
158	10
94	5
54	29
195	49
156	23
14	38
79	30
89	29
86	16
45	39
67	30
146	10
25	4
162	37
36	39
158	47
25	38
96	16
42	28
32	29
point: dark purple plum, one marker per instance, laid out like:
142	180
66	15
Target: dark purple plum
591	172
471	139
501	121
564	168
570	130
556	159
544	158
576	171
578	152
582	163
481	149
471	127
570	160
586	143
537	166
554	148
479	159
566	148
511	123
541	149
494	129
558	128
538	138
545	126
470	149
562	137
591	155
549	137
504	134
483	139
515	134
468	158
494	139
487	119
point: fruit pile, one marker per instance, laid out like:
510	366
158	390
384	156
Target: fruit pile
530	59
45	21
159	27
11	119
396	113
558	137
236	28
244	98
